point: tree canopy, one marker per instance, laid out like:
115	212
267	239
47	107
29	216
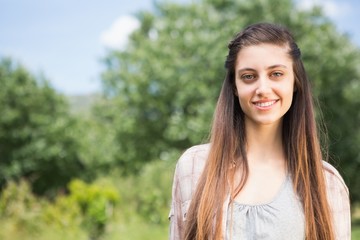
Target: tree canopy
37	137
162	89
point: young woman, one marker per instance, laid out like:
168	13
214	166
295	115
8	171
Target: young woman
262	175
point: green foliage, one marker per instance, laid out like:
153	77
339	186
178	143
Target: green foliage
38	139
97	147
136	228
160	94
96	202
64	213
18	202
149	193
25	216
86	210
162	89
355	233
22	216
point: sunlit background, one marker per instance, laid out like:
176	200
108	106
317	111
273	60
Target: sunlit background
133	83
66	40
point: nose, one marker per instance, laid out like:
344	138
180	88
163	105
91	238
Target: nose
263	86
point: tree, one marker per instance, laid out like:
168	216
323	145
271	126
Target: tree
38	139
162	88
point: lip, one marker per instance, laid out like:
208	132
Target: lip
265	104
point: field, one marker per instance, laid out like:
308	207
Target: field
137	215
356	224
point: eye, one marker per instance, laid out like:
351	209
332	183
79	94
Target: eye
277	74
247	77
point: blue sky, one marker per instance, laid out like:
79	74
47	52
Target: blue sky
66	40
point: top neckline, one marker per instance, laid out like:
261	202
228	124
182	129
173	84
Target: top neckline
277	195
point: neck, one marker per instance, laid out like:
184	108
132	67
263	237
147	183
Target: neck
264	142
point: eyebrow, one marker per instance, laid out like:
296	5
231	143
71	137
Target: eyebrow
270	67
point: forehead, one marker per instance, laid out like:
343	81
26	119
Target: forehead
263	55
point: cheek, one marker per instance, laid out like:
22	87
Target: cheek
286	87
243	92
244	96
288	94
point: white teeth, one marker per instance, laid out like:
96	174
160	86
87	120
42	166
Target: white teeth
265	104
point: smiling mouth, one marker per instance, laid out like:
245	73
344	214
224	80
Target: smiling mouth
265	104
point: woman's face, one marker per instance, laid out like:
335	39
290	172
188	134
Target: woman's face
264	79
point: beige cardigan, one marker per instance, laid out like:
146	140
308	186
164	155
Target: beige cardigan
188	171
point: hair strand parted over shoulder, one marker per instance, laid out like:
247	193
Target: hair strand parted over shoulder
228	155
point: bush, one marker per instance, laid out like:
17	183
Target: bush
149	193
96	202
20	208
81	214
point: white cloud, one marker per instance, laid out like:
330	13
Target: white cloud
117	35
332	8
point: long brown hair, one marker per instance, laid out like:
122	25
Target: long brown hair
228	154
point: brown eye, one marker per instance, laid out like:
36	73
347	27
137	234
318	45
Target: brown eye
277	74
247	77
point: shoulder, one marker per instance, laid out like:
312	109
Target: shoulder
188	171
333	178
192	161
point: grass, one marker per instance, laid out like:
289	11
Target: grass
126	228
355	233
135	228
24	218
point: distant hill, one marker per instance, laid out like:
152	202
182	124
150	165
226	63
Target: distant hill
81	104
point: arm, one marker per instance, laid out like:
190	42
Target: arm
187	173
339	201
175	216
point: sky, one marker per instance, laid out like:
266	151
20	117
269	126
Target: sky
66	40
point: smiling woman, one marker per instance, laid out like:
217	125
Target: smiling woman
262	175
264	83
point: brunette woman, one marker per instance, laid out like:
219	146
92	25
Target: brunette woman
262	175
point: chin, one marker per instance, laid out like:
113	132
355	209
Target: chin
267	122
